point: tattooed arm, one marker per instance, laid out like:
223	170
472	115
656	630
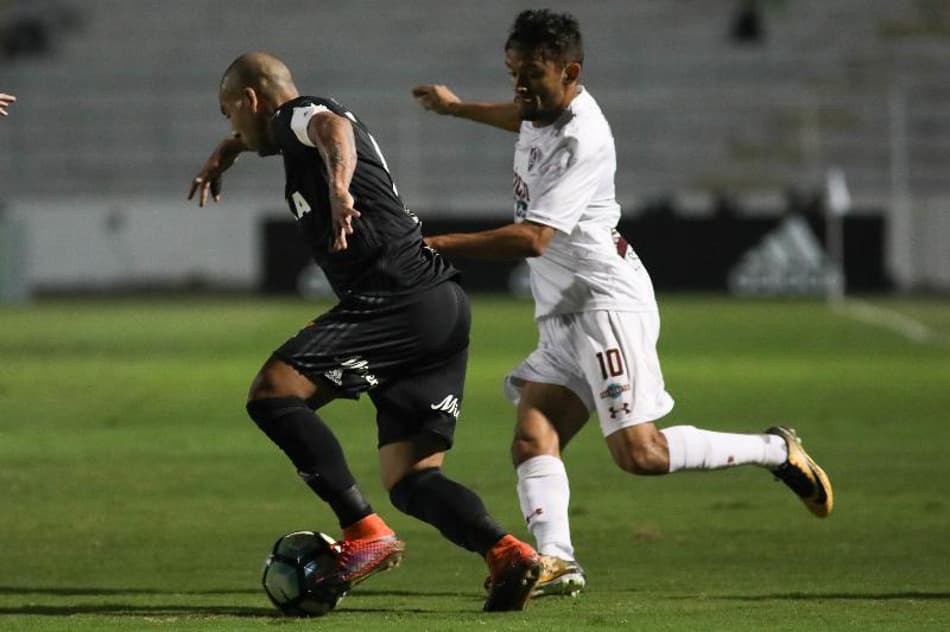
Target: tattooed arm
334	139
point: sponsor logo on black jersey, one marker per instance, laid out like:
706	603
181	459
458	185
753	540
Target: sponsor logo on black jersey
450	405
360	366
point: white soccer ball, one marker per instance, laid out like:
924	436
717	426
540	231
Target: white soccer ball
291	570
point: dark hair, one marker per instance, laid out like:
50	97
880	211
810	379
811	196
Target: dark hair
555	35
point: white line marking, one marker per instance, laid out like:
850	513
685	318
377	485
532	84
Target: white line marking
902	324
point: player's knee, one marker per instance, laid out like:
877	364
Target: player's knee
527	445
642	459
271	382
278	379
402	493
522	450
267	409
262	387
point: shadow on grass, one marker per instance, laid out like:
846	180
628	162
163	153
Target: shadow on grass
413	593
124	609
129	610
831	596
78	592
352	604
92	592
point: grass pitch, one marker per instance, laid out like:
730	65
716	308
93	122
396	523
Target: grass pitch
136	495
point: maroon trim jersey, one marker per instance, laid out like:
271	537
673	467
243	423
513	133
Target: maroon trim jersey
386	256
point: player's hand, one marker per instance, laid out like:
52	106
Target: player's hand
436	98
5	100
342	214
208	180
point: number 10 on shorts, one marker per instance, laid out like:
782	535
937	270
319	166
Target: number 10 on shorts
611	362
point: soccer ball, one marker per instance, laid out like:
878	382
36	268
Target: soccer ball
292	570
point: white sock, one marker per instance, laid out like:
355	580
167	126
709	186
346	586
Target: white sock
694	449
544	494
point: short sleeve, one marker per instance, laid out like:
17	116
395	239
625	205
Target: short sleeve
300	120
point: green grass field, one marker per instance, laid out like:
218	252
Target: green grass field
136	495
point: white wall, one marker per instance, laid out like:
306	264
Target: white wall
106	243
930	244
129	105
134	243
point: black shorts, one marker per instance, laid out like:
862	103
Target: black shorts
409	356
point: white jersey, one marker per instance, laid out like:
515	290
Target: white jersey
564	178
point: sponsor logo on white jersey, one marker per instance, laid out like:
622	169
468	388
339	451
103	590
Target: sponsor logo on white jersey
533	155
522	197
623	410
614	390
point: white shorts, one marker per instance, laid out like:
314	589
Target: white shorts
607	358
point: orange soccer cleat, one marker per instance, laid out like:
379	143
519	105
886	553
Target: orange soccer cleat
514	569
358	560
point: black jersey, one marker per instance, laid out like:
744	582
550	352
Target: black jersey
385	255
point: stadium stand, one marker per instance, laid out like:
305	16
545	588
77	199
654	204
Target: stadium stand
127	104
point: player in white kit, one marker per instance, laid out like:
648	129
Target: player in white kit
597	316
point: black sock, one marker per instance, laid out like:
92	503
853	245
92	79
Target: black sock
314	450
451	508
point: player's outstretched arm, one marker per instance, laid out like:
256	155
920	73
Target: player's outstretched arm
334	139
5	100
208	180
513	241
441	100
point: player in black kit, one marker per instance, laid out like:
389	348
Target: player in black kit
399	332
